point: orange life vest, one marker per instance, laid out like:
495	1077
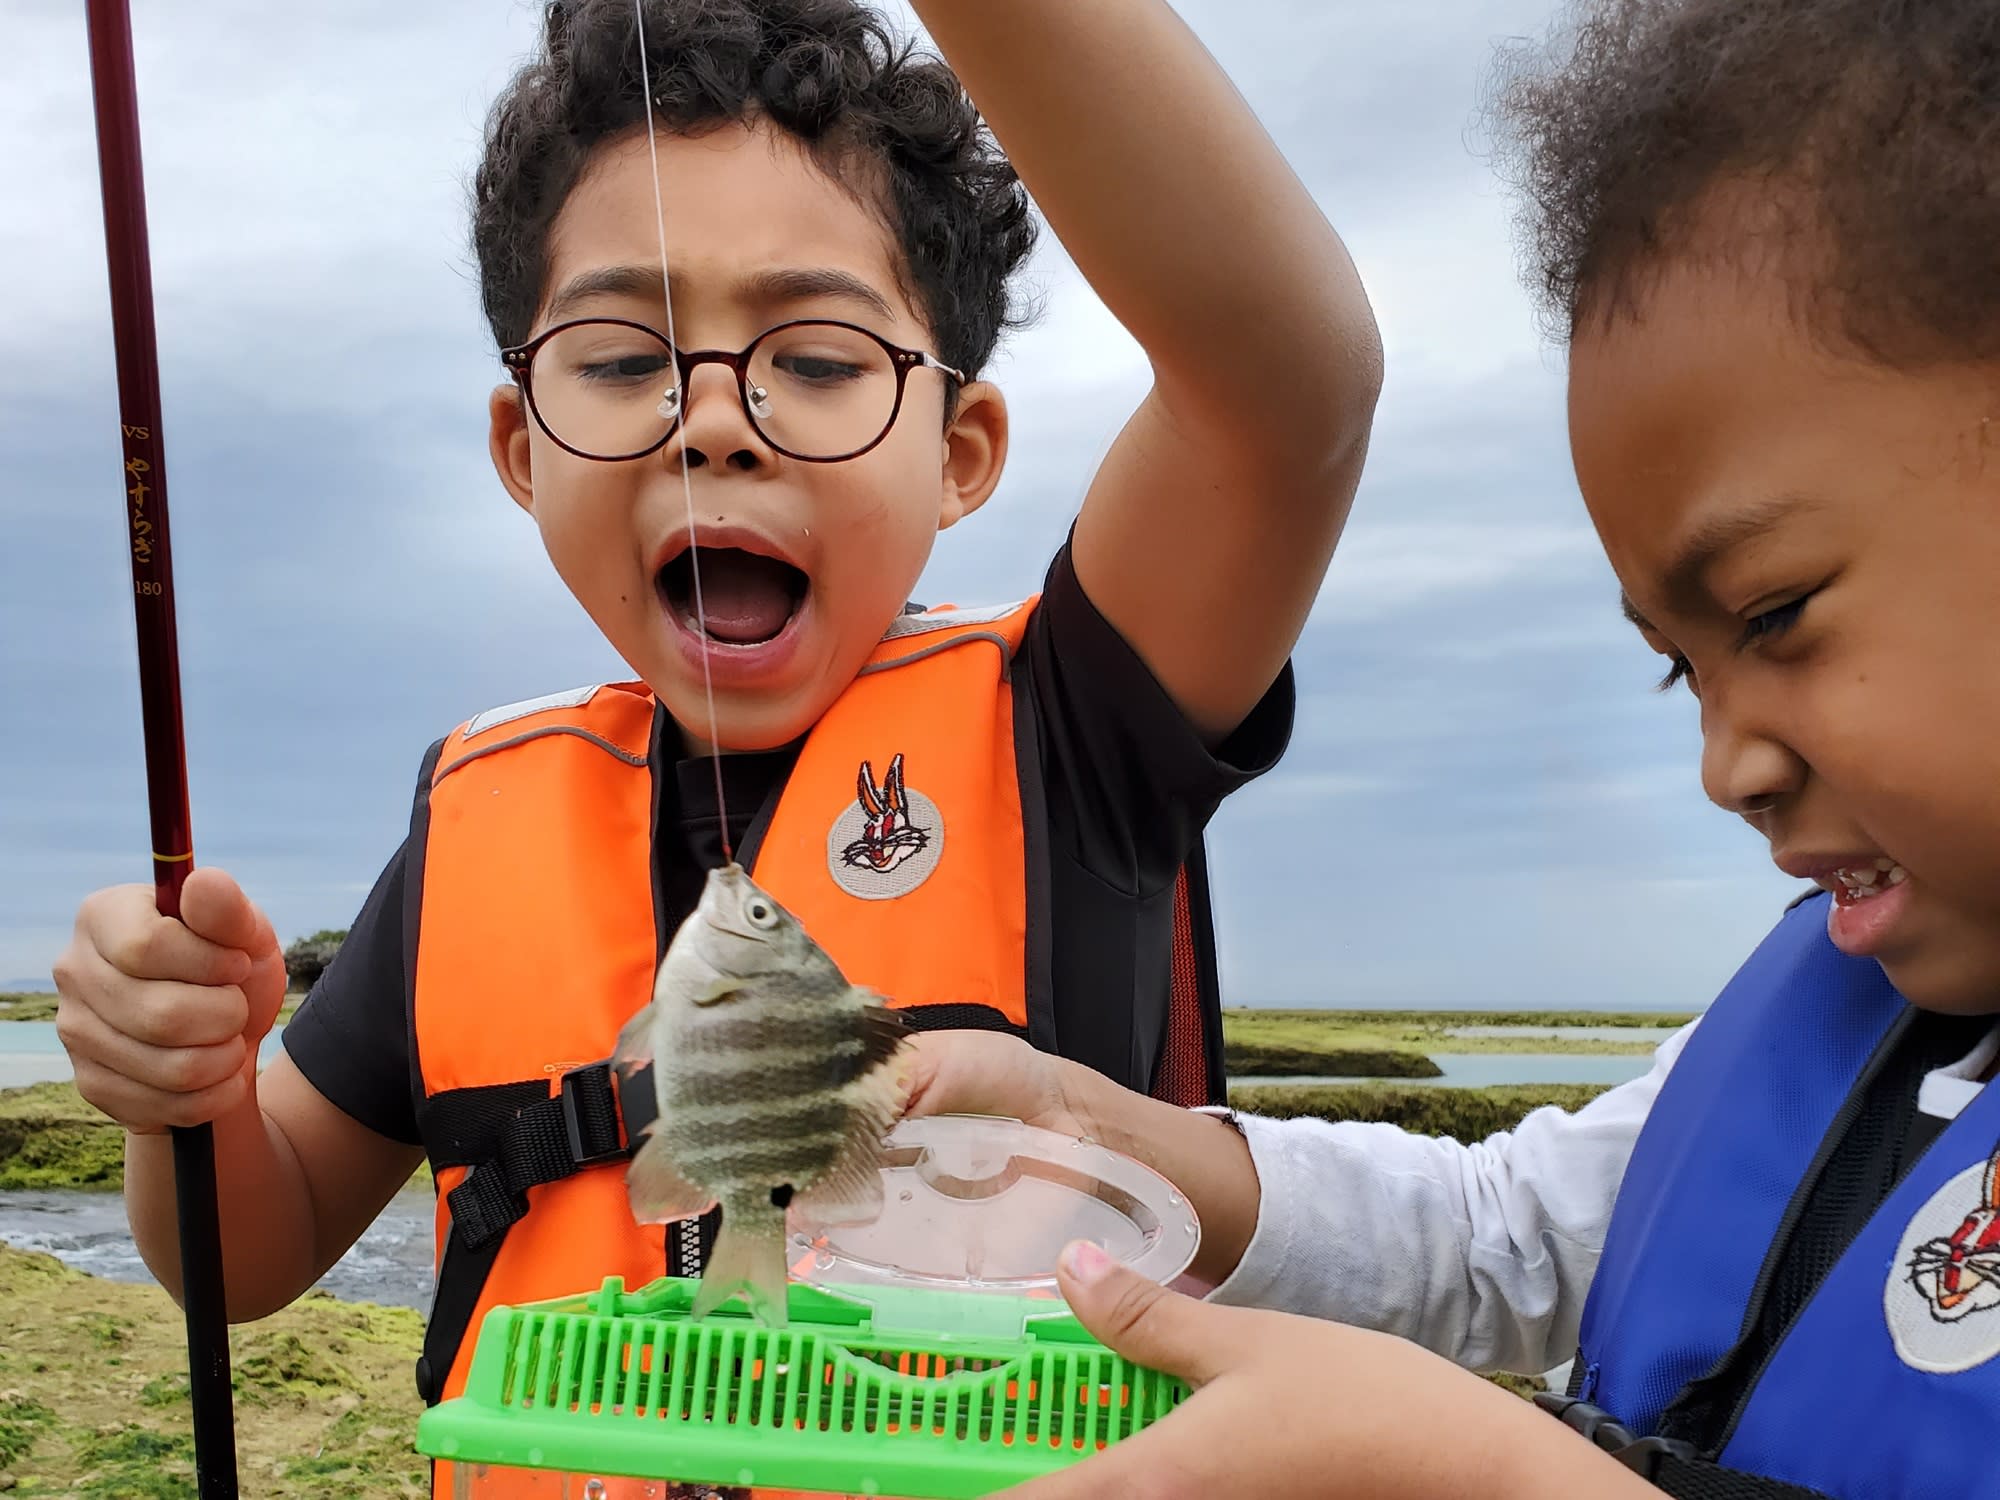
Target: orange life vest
898	840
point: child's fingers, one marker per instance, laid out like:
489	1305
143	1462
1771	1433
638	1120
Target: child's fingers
1182	1455
124	926
214	907
156	1012
148	1111
179	1066
976	1073
1146	1322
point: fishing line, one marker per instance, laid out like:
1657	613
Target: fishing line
687	471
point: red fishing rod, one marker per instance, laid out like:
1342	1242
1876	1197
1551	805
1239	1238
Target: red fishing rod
115	95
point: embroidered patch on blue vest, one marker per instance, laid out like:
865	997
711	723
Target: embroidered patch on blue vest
1943	1294
888	840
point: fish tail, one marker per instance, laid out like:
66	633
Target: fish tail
748	1259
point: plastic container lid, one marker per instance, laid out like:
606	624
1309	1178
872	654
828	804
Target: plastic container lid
975	1203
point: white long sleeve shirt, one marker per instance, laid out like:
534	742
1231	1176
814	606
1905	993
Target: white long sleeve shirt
1481	1253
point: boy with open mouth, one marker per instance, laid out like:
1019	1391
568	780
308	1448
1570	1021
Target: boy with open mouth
745	262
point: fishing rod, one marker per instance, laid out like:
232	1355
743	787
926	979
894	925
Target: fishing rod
115	97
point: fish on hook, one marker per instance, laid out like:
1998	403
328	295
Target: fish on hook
776	1082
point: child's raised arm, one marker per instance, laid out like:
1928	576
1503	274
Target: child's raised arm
1208	530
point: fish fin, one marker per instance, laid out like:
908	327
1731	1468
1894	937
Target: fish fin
635	1041
719	988
850	1192
749	1262
883	1031
656	1187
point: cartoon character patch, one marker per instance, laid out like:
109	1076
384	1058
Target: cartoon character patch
1943	1296
888	840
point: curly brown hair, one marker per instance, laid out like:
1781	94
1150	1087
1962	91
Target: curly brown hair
1864	134
891	125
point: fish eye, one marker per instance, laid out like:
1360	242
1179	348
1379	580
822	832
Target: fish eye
760	913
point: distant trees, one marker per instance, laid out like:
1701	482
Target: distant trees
307	959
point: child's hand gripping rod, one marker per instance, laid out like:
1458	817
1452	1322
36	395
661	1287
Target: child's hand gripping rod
145	484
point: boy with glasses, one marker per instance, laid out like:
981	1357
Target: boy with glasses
745	262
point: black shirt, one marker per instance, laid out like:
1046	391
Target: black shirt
1129	787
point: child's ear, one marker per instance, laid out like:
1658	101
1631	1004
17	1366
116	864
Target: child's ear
975	450
507	441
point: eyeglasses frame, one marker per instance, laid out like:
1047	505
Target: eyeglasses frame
520	359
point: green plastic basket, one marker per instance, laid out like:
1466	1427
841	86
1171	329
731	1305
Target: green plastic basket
618	1383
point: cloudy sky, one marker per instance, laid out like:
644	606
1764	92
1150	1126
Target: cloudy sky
1484	804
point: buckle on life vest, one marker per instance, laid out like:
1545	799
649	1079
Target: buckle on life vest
594	1134
1645	1456
1642	1456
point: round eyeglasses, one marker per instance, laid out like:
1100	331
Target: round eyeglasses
612	389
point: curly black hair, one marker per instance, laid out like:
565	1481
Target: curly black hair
891	125
1866	134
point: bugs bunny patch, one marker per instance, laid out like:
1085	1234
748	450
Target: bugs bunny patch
888	840
1942	1300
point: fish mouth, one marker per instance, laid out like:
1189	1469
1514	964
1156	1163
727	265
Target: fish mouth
720	896
749	590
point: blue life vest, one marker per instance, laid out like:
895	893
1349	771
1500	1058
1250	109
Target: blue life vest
1887	1385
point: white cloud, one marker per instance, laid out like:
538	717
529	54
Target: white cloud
1392	566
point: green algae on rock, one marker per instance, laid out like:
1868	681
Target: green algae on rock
50	1139
94	1396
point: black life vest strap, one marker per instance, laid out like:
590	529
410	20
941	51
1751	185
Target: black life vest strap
1669	1464
514	1136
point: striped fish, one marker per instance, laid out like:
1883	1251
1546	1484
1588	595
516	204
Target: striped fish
777	1080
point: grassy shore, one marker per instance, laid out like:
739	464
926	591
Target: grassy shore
50	1138
1463	1114
1398	1043
1662	1021
27	1007
40	1007
94	1393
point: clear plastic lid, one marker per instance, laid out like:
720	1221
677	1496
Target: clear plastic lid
974	1203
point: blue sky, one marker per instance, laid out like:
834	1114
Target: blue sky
1483	803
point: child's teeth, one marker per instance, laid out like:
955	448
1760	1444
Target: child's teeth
1870	879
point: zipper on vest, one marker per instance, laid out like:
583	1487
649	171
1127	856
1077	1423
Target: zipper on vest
1836	1133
